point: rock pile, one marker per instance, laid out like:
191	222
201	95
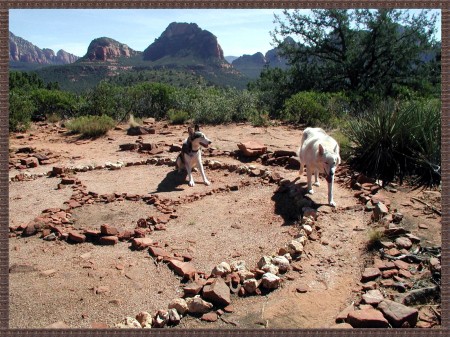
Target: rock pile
403	273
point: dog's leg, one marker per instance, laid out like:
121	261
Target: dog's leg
189	172
316	177
309	178
202	171
302	167
330	193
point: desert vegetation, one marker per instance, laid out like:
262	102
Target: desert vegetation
383	102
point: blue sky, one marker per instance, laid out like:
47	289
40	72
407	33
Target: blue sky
239	31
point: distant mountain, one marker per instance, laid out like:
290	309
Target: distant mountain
230	59
107	49
252	65
182	40
24	55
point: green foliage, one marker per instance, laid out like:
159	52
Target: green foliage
315	109
91	126
364	51
398	140
19	80
178	116
21	108
150	99
54	102
345	145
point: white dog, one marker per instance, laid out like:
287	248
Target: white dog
191	154
319	152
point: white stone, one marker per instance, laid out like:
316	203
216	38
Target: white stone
222	268
270	281
251	285
282	263
308	229
238	265
180	305
264	261
174	316
129	323
145	319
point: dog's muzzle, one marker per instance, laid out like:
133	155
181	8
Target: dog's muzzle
205	144
329	177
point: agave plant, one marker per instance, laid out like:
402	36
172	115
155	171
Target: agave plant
398	140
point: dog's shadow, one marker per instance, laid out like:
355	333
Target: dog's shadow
289	202
172	182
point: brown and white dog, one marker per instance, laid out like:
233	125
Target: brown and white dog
191	154
320	153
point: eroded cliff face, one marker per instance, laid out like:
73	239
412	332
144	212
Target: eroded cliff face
20	50
107	49
184	40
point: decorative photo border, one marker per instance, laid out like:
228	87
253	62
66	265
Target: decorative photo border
6	5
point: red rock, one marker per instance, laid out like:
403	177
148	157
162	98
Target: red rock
368	318
108	240
30	162
92	234
389	273
387	283
404	273
192	289
141	243
156	251
76	237
106	229
210	317
68	181
403	242
342	316
228	309
393	252
184	269
30	229
370	274
397	313
401	264
371	285
125	235
139	233
252	148
74	204
217	292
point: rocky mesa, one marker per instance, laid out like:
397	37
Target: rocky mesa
184	40
107	49
21	50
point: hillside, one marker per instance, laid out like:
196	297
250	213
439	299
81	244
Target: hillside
23	55
183	55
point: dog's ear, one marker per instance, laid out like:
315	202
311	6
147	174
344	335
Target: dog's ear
196	127
190	131
321	150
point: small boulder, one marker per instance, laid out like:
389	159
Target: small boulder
217	292
368	318
197	305
270	281
397	313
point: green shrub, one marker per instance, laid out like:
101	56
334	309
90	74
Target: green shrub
305	108
178	116
344	144
398	140
91	126
21	108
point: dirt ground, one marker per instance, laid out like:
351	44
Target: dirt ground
82	284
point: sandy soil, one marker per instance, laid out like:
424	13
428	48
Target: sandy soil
82	284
